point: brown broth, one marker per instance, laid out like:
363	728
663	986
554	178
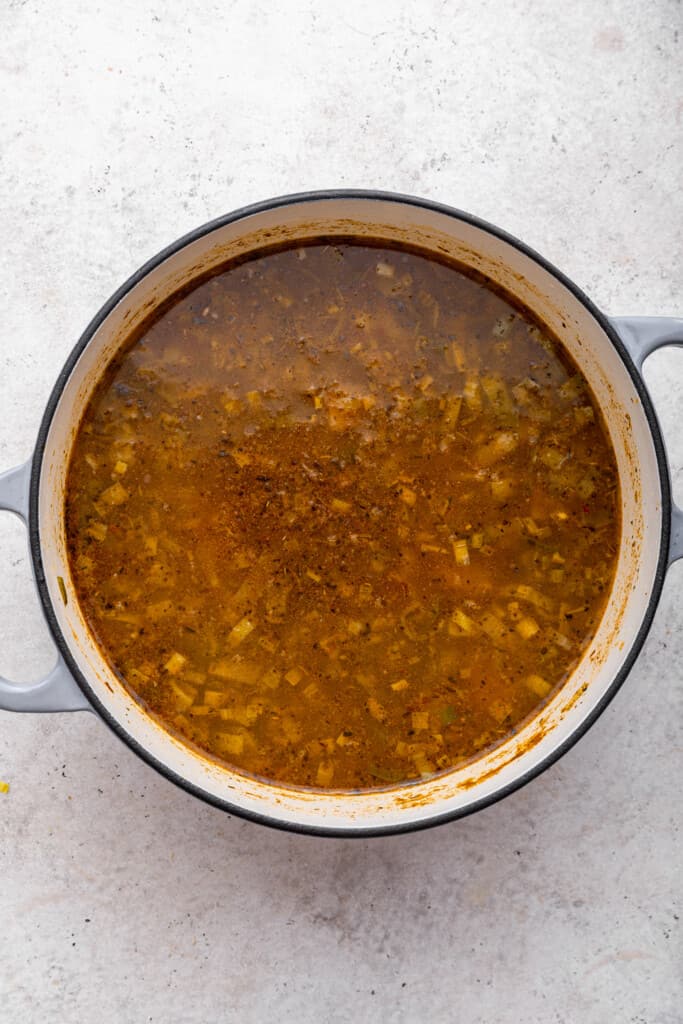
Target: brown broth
342	516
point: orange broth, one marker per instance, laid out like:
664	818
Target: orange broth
342	516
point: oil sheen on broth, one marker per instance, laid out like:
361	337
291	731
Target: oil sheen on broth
341	516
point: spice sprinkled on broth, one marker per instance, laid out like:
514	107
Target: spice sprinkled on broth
341	516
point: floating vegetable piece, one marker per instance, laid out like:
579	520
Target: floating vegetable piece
527	627
230	743
240	631
376	709
420	720
175	663
294	676
97	530
461	552
539	685
408	496
114	495
184	695
324	774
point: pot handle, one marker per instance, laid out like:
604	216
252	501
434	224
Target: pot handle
643	335
58	691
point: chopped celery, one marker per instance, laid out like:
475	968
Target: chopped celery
245	714
214	698
97	530
184	695
419	720
463	622
501	490
114	495
527	627
241	457
583	414
175	663
533	596
497	393
451	406
345	739
493	627
500	710
423	764
376	709
500	445
538	685
239	632
235	670
472	394
231	743
324	774
461	552
151	545
271	679
553	456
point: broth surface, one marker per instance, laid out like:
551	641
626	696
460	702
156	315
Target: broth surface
342	516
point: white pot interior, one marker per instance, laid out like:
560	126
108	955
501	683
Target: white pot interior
592	350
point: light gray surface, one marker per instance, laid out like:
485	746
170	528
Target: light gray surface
121	127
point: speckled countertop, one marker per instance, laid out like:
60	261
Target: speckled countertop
123	899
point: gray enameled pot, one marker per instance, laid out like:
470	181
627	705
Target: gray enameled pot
610	353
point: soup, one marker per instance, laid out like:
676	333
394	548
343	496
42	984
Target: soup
342	516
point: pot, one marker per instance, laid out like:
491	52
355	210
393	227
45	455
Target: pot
609	352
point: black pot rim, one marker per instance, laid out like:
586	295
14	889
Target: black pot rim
39	571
